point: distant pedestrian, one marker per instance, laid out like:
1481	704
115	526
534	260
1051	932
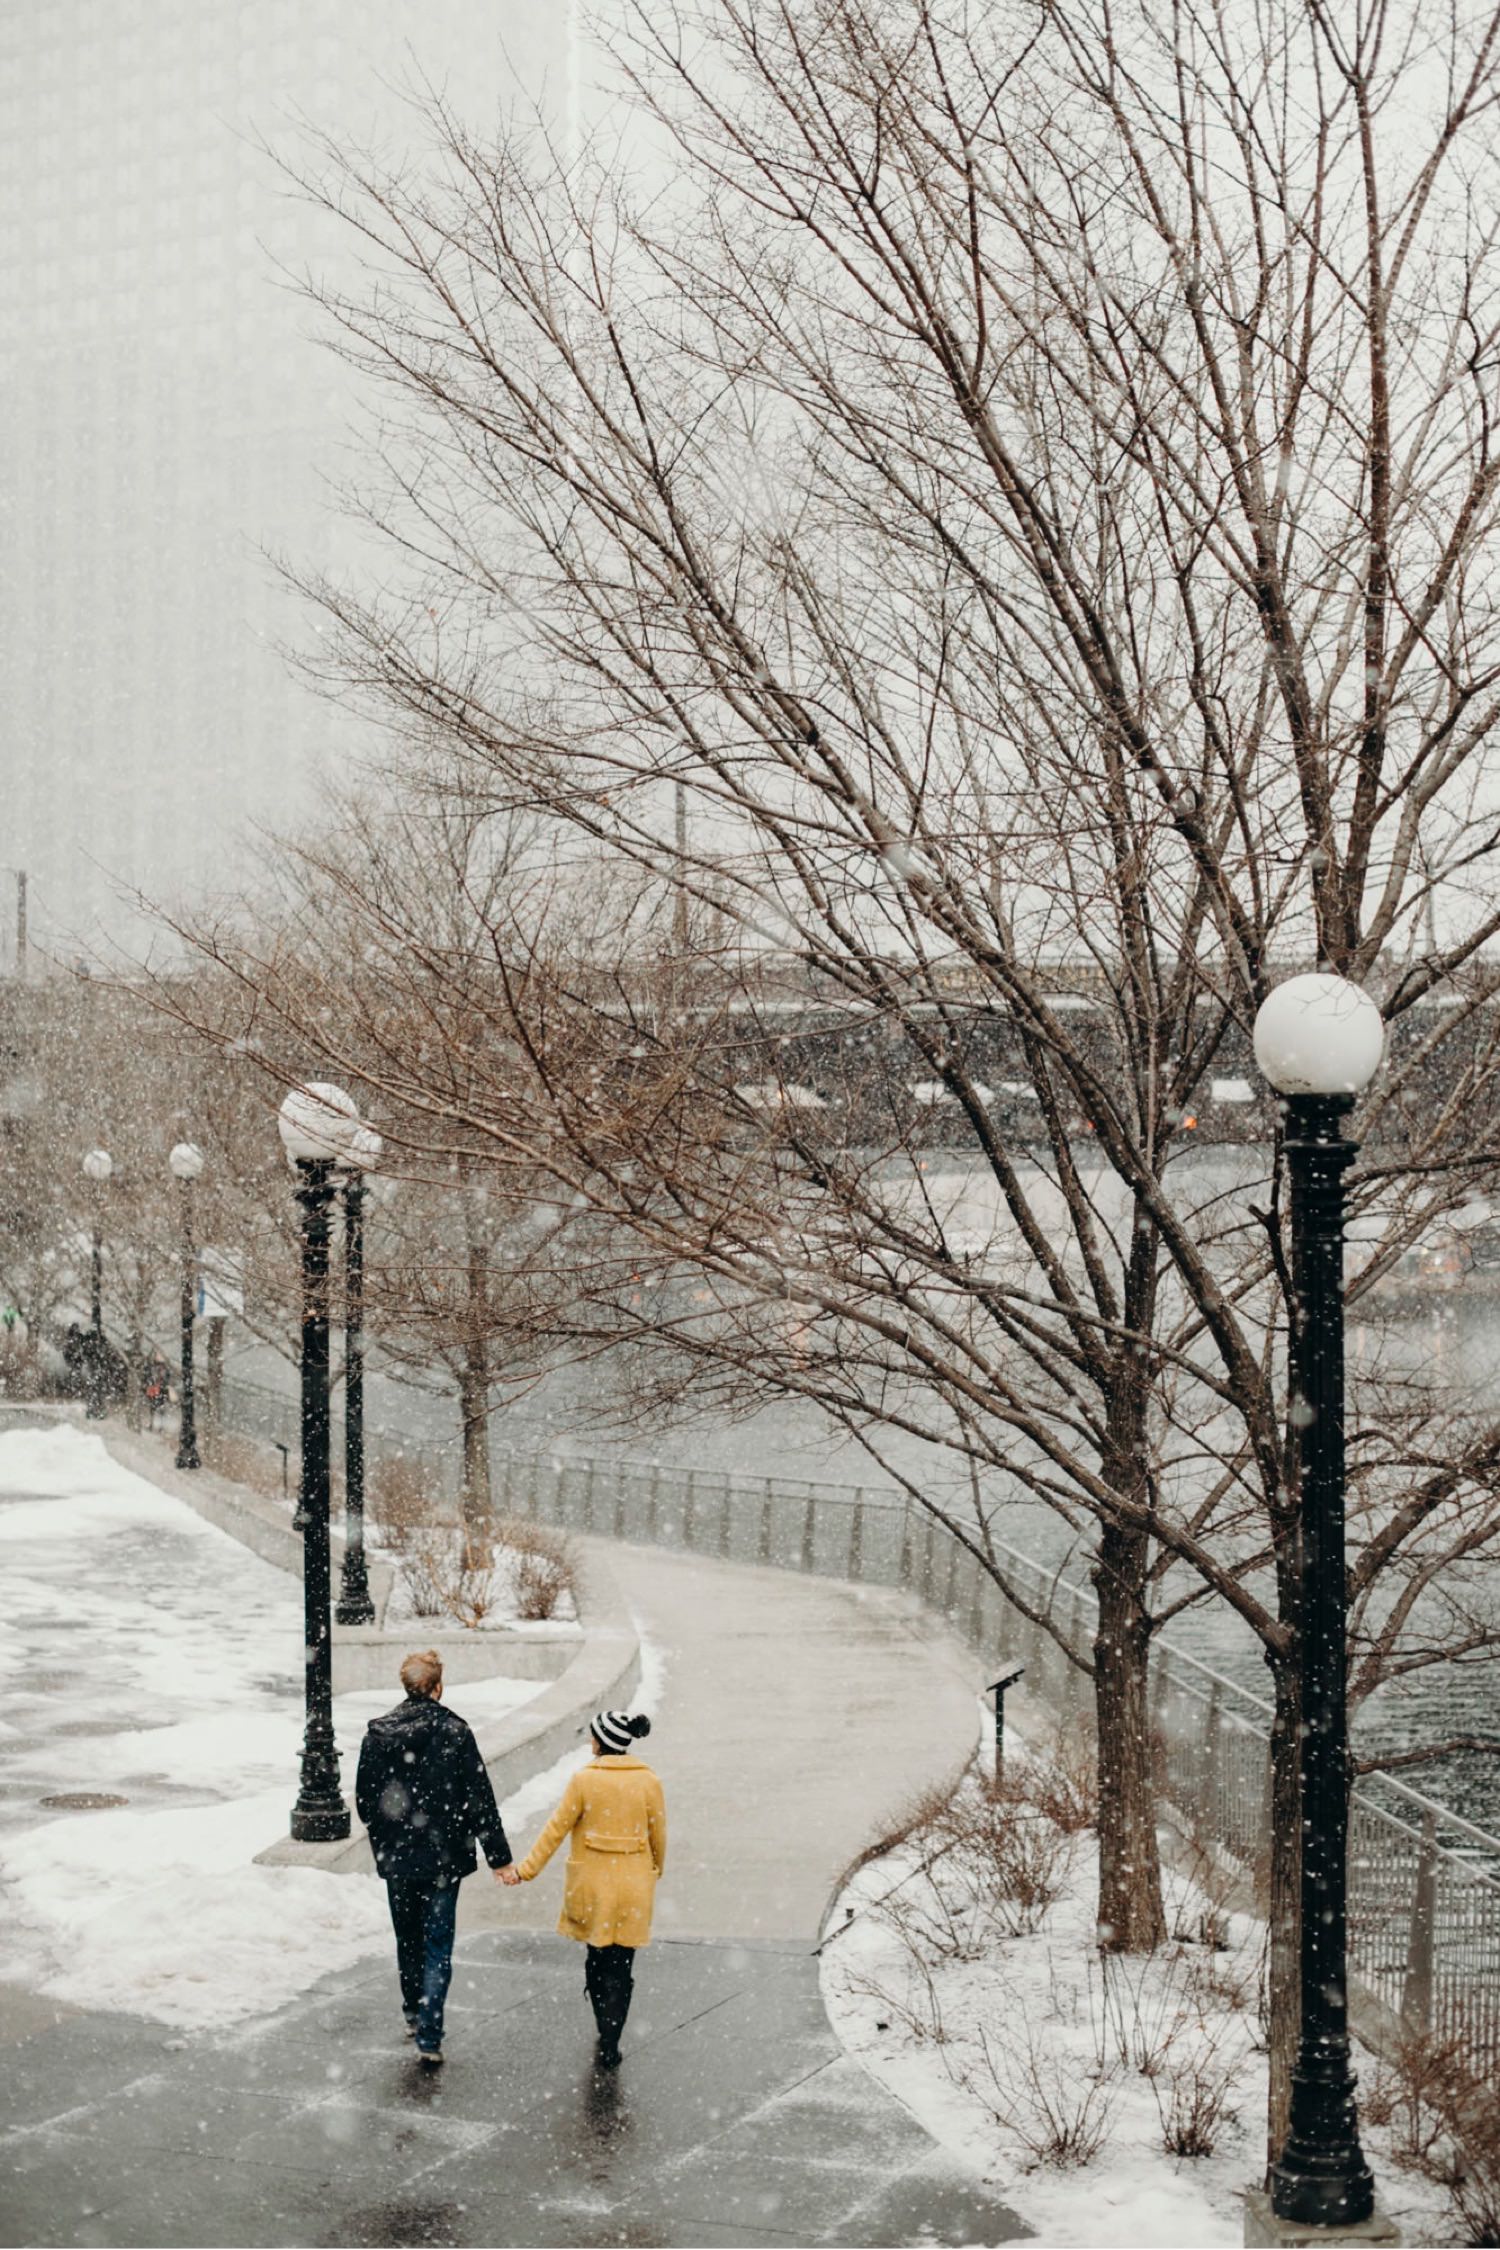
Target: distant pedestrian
158	1385
616	1814
424	1795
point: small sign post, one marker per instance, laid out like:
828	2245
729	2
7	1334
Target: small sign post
997	1689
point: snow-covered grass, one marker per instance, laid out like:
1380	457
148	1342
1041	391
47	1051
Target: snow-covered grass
148	1655
1113	2100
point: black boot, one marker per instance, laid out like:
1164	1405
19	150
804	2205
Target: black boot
615	1984
596	1985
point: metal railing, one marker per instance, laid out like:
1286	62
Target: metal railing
1424	1907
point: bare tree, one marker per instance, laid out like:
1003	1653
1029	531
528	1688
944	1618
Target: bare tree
1029	483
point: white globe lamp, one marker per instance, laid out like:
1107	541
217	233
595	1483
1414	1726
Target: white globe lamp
98	1165
317	1123
1319	1034
186	1161
363	1152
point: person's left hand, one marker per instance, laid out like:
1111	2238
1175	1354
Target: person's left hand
507	1875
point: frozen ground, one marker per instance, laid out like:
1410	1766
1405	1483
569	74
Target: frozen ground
145	1654
1008	2047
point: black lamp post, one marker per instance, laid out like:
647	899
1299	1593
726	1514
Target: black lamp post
355	1606
1319	1041
98	1166
186	1163
316	1124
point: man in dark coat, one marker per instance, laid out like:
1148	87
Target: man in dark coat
424	1796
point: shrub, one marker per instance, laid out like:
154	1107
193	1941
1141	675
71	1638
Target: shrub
1140	2012
1060	2114
401	1501
1012	1857
443	1584
246	1461
1062	1783
543	1566
1194	2094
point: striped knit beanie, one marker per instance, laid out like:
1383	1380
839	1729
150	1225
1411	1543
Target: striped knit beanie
616	1730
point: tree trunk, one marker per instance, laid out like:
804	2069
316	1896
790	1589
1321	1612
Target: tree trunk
474	1408
1284	1984
1131	1915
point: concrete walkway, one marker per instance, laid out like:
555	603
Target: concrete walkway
796	1714
735	2119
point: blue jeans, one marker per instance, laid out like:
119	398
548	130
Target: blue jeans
422	1915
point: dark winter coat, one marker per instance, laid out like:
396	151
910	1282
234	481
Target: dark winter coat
424	1795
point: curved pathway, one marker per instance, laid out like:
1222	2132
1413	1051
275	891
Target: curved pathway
795	1714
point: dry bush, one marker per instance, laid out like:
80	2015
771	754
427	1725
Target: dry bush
400	1499
1012	1857
1201	1915
940	1919
1194	2093
1446	2125
1378	2095
1475	2187
1139	2015
1062	1782
1059	2114
912	1821
914	2005
247	1461
1222	1979
426	1566
543	1567
1432	2082
442	1583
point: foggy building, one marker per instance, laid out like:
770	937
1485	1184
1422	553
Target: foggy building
167	414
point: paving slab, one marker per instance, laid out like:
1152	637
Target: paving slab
735	2118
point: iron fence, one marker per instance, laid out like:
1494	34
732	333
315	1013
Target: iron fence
1424	1906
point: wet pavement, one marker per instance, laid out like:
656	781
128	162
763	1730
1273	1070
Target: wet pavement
735	2119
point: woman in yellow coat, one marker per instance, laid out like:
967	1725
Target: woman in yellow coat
616	1814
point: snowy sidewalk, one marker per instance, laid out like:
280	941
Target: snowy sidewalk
791	1716
153	1662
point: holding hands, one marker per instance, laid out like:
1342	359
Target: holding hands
508	1875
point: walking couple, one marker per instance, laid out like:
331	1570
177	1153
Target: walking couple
425	1797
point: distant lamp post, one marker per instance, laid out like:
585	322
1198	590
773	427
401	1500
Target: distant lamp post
317	1124
1319	1041
98	1166
358	1161
186	1165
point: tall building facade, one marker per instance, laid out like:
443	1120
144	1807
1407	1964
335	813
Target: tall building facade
167	415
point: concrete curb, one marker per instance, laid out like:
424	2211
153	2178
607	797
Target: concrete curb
604	1673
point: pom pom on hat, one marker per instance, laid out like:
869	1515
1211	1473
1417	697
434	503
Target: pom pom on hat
616	1730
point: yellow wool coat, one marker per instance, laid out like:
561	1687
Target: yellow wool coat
617	1816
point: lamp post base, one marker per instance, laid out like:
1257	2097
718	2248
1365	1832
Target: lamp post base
187	1457
354	1604
1264	2231
320	1824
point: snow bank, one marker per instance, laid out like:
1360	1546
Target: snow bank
160	1914
146	1654
981	2033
